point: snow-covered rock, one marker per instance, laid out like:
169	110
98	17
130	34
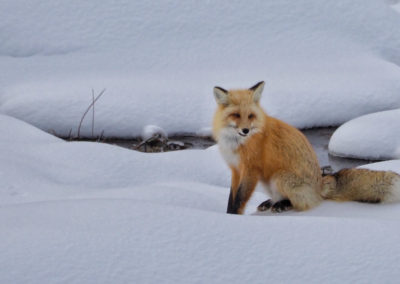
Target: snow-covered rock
150	131
374	136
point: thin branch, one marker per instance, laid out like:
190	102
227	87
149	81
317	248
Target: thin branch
92	113
155	137
101	136
87	110
144	142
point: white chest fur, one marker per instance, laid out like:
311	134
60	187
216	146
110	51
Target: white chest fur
230	156
228	143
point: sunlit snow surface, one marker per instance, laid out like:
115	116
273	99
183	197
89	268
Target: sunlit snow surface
81	212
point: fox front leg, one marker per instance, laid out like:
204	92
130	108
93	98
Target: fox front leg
234	188
239	197
236	202
230	203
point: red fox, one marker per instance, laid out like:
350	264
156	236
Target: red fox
260	148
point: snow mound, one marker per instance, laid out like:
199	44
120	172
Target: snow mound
88	212
391	165
324	62
14	131
374	136
37	166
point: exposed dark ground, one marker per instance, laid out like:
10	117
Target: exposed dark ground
319	138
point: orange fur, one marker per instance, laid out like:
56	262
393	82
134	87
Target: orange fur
362	185
273	152
260	148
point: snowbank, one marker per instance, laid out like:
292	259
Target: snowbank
324	62
374	136
85	212
36	165
391	165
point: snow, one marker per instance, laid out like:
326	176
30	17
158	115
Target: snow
390	165
123	241
48	161
81	212
324	62
152	131
395	4
374	136
74	212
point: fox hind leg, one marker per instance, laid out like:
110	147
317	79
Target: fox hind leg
282	206
301	195
277	207
275	195
264	206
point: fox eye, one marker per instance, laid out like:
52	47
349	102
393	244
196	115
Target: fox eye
236	115
252	115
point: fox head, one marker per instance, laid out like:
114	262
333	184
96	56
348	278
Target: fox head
239	114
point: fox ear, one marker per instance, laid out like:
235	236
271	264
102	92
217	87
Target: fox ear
257	91
221	96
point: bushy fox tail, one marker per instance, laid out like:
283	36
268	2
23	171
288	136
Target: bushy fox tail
361	185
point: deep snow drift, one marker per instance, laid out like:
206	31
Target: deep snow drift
94	213
374	136
324	62
35	164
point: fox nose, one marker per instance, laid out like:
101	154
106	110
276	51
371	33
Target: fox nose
245	130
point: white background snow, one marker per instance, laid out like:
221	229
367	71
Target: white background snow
80	212
323	63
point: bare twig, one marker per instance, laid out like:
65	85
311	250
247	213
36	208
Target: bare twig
144	142
153	138
92	113
87	110
101	136
326	170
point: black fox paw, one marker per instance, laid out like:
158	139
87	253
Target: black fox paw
264	206
281	206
